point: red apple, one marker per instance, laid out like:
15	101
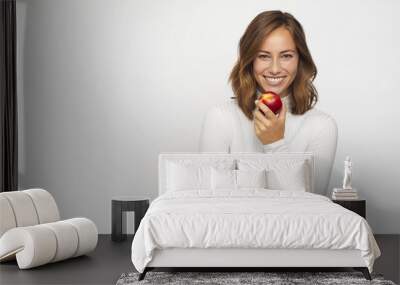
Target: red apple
272	100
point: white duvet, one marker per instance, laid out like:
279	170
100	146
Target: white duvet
250	218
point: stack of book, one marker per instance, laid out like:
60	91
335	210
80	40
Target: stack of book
344	194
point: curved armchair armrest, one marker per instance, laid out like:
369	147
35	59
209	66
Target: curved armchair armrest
40	244
32	246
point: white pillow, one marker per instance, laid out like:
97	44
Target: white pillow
185	177
223	179
192	173
237	179
251	178
282	174
289	176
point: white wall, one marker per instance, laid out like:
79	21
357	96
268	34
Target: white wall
105	86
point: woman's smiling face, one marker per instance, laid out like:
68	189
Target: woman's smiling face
275	65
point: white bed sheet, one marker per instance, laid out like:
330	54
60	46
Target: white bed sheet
250	218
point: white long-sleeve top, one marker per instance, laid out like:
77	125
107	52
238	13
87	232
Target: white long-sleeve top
226	129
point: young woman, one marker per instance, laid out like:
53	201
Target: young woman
273	56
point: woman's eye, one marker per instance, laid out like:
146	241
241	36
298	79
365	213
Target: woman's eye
264	56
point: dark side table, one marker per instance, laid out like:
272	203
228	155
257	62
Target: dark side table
119	206
357	206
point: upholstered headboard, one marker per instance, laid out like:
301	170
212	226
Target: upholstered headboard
247	158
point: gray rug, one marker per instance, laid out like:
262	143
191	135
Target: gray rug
229	278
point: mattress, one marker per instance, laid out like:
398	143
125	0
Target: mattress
253	218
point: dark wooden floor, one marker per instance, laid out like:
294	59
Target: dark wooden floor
111	259
102	266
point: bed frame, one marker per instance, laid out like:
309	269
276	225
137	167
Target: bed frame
248	259
236	259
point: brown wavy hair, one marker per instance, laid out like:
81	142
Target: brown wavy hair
304	95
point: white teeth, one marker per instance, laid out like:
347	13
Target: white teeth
274	80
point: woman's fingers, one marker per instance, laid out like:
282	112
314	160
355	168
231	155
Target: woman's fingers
256	128
259	127
262	125
267	111
259	117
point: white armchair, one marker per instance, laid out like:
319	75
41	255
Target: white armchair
31	230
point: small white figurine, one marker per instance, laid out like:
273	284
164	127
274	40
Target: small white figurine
347	173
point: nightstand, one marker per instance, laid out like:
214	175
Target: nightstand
357	206
122	204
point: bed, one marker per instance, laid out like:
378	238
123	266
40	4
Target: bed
246	210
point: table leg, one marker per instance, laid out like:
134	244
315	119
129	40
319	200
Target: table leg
116	222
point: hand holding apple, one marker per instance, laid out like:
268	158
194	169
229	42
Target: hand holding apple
268	126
